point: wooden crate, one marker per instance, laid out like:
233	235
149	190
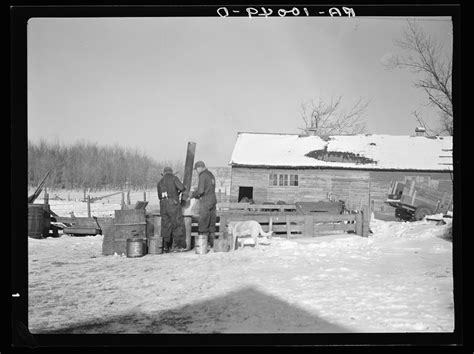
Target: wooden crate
127	224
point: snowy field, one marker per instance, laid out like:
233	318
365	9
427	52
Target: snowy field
397	280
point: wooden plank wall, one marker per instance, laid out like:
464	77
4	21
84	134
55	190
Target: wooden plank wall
355	187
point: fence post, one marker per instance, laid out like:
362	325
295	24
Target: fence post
270	225
222	223
144	196
359	223
288	225
89	205
365	222
122	201
309	225
128	197
46	196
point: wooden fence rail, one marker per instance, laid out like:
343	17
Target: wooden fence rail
307	225
255	207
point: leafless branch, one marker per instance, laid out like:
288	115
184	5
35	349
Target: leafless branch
330	119
422	56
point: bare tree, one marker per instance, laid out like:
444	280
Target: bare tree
424	57
323	119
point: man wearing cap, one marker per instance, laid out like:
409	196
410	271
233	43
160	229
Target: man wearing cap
206	193
172	221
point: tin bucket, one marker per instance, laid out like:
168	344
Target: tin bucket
155	245
135	247
200	246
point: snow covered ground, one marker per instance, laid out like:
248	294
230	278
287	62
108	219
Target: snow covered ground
397	280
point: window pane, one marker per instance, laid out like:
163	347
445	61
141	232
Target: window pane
273	179
293	180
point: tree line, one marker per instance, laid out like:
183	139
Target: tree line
88	165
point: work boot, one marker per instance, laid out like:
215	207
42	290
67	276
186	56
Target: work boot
166	247
210	239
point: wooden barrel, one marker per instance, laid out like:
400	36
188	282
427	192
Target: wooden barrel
155	245
200	244
37	222
221	245
136	247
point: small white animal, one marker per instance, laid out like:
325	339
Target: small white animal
251	228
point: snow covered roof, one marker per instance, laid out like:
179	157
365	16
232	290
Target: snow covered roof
367	151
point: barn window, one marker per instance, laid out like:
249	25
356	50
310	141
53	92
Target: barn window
273	180
293	180
283	180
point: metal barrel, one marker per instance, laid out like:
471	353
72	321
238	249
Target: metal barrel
155	245
36	221
201	244
136	247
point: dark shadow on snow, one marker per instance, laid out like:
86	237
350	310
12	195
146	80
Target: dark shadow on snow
248	310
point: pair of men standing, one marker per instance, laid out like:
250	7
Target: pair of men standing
172	222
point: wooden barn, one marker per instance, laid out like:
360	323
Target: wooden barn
358	169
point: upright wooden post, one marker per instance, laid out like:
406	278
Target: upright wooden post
84	194
89	205
122	201
46	196
365	222
144	196
270	225
288	225
359	223
188	176
188	166
222	223
128	198
187	227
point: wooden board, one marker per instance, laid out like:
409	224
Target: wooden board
129	216
84	231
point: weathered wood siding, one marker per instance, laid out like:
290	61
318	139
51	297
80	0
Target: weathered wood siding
356	187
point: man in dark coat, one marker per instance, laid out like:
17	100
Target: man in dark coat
172	221
206	193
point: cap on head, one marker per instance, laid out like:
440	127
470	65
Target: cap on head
167	170
199	164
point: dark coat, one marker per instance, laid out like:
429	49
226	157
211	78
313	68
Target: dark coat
206	191
169	187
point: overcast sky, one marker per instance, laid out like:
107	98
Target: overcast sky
156	83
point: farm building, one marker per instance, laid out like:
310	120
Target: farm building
357	169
